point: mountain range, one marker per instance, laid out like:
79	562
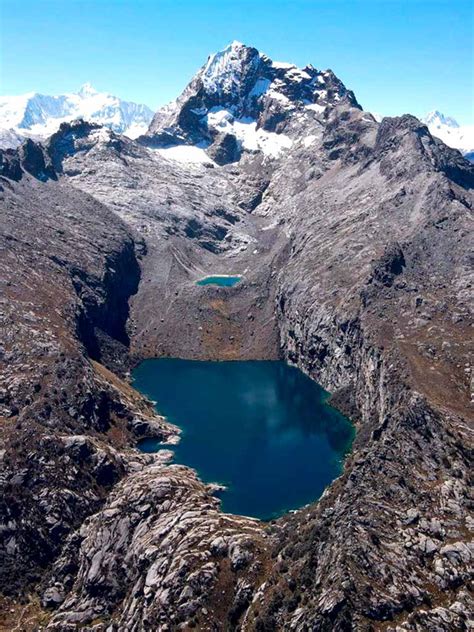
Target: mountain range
38	116
352	241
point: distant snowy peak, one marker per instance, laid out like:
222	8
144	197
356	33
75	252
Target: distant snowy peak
10	139
38	116
87	90
241	93
450	132
437	119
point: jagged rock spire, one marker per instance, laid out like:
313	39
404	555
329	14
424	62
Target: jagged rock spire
244	85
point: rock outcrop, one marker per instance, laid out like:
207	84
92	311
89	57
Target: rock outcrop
353	238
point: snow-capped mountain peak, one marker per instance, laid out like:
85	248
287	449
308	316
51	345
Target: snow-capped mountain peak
450	132
225	71
86	90
436	119
242	100
38	116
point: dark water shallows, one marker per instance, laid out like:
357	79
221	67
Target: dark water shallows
223	280
261	428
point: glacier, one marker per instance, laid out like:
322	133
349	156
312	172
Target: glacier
37	116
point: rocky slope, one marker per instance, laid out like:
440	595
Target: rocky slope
353	239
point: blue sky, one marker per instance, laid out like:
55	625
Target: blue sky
397	55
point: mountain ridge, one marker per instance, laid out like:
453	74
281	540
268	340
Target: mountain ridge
242	98
37	116
353	242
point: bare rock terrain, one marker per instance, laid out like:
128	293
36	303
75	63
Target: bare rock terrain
353	239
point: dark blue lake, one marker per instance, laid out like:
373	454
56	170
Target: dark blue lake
263	429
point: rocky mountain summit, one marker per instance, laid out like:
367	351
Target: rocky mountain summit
353	237
241	99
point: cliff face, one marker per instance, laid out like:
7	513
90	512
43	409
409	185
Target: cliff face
372	303
68	431
353	241
238	85
62	252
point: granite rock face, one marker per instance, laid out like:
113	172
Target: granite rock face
241	91
163	554
353	239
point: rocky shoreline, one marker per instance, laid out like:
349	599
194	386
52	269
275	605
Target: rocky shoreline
354	250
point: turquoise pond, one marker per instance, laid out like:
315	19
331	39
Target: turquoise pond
222	280
263	429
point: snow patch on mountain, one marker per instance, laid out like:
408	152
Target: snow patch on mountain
282	64
38	116
185	154
315	107
245	130
309	140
